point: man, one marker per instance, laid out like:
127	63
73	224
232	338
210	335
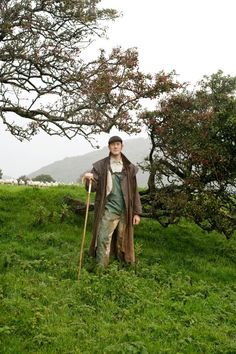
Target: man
117	205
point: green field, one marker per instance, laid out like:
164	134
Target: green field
179	298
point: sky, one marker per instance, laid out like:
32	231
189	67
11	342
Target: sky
192	37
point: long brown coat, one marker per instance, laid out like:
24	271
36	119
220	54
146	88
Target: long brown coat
132	204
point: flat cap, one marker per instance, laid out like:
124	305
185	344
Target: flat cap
114	139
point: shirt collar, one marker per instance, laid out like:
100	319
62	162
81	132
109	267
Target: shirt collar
112	160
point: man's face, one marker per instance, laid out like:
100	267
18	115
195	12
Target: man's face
115	148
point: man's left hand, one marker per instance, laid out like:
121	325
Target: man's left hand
136	219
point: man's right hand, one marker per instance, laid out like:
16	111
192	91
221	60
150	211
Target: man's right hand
88	176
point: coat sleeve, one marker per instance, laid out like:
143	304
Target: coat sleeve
94	181
137	206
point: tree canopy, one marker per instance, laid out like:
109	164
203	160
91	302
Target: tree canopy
44	178
192	163
45	82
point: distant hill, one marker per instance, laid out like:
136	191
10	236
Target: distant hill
71	168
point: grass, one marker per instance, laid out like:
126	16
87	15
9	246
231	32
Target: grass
180	297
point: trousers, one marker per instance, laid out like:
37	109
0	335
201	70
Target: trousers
108	224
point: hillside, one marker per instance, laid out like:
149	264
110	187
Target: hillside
71	168
179	298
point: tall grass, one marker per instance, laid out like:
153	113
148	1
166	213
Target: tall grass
179	298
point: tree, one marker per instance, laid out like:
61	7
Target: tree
43	178
192	162
1	174
22	179
46	84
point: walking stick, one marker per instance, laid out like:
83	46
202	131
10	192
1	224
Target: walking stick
85	225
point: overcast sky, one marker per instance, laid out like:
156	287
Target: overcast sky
193	37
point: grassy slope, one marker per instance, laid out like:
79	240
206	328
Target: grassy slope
181	298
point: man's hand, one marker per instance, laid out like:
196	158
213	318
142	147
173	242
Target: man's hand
88	176
136	219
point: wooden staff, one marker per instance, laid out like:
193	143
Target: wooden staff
84	231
